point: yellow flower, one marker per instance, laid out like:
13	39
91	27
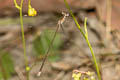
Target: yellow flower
76	76
89	73
31	11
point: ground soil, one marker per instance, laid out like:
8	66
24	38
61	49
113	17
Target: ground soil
74	54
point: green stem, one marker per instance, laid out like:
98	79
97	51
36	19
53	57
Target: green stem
29	2
23	39
16	5
86	38
94	59
22	31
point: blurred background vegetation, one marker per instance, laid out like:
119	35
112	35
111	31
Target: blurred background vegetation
69	50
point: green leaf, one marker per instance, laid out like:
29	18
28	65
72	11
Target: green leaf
42	43
6	65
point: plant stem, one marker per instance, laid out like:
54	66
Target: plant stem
94	58
29	2
86	38
16	5
23	39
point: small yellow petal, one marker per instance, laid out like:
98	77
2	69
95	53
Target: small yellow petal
89	73
76	76
31	11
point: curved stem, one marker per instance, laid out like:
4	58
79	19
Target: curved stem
16	5
22	31
85	35
29	2
23	39
94	59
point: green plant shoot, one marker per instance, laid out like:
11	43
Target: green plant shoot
31	12
85	35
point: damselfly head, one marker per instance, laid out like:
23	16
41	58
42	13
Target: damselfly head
65	13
